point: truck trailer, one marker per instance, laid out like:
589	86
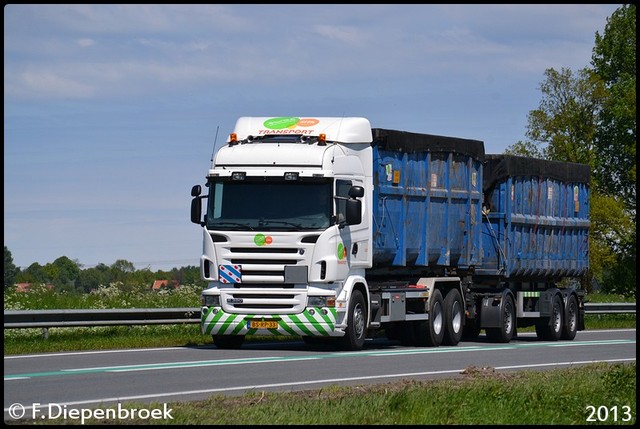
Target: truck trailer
328	229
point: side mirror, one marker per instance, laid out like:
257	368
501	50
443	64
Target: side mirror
356	192
354	211
196	210
196	205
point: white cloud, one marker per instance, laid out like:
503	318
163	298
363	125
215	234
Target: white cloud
85	43
49	84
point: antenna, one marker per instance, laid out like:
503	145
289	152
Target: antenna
214	143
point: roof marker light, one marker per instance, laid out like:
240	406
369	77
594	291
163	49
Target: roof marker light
322	139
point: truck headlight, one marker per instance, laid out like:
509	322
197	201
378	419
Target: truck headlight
321	301
210	300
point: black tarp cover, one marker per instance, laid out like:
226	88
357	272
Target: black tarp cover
499	167
404	141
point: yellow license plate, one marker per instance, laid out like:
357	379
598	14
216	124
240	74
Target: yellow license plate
263	324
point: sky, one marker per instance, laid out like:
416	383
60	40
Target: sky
111	110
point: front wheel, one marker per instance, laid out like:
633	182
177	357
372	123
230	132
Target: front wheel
356	323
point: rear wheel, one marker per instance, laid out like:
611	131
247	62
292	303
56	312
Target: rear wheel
453	318
504	333
570	326
431	332
356	323
551	329
228	341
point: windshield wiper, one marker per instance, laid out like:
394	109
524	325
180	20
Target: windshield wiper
230	223
281	222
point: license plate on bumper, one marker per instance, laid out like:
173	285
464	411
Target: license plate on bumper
262	324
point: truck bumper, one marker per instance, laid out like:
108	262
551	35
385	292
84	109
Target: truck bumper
313	321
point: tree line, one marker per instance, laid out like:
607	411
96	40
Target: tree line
589	117
68	275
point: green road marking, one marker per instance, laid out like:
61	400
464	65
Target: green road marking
195	364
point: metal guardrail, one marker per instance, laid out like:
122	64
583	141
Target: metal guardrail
106	317
170	316
610	307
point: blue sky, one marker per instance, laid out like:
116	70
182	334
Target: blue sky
110	111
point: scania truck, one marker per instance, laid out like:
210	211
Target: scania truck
330	230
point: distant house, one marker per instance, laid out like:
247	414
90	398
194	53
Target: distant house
165	284
26	287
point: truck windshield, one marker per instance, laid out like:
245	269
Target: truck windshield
269	205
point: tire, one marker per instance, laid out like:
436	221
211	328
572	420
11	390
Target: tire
355	333
453	318
570	325
504	333
431	332
552	331
228	341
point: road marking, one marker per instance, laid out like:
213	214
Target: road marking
157	396
272	359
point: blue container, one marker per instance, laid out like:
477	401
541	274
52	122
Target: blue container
427	201
536	219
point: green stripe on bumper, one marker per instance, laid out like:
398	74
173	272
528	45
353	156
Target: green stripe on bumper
312	321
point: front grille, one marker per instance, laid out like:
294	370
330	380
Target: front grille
263	301
263	264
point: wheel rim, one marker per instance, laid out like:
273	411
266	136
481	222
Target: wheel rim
358	320
557	319
573	319
437	318
456	322
508	319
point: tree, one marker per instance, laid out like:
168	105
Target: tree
33	274
527	148
10	270
614	61
121	269
67	271
589	117
566	121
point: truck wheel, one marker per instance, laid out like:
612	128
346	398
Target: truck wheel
504	333
228	341
356	323
552	331
453	318
570	326
431	332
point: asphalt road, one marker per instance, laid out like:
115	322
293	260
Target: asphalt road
51	385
